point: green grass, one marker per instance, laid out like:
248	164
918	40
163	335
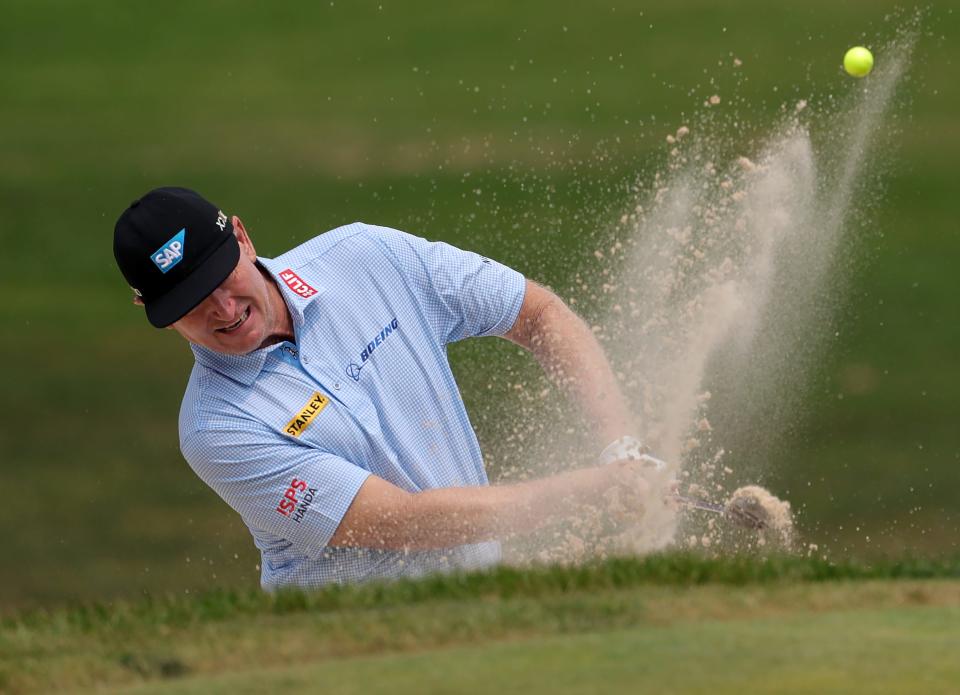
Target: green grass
673	569
304	116
899	650
517	621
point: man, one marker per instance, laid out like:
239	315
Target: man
322	407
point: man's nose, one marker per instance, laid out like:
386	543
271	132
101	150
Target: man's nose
221	303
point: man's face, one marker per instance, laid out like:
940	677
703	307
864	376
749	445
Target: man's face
239	315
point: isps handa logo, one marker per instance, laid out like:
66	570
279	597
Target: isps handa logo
296	499
307	413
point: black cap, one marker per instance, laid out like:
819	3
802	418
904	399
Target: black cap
174	247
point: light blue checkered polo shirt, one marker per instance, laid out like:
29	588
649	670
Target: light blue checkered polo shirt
287	434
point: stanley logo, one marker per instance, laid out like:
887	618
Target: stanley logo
302	419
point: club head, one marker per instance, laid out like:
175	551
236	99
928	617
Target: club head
747	511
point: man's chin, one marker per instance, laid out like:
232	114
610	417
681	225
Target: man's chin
241	343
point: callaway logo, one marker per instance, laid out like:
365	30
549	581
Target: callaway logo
170	253
293	281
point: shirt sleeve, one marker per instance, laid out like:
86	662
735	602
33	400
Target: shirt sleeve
463	293
287	489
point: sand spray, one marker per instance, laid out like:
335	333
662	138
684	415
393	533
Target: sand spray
724	277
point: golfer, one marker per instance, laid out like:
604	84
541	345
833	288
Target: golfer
322	407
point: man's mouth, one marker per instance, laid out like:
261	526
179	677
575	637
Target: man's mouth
236	324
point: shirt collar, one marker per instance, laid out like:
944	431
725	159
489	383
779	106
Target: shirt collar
246	368
242	368
296	304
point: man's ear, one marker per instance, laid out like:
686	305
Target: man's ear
246	245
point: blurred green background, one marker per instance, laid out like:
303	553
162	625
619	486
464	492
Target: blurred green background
507	128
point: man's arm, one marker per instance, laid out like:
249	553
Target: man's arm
387	517
384	516
570	355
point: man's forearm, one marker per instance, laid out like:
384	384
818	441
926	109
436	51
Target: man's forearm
502	510
570	354
386	517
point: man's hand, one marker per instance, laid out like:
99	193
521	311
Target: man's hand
626	501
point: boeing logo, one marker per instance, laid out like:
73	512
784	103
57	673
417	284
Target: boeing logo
353	369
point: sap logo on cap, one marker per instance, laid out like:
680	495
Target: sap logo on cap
170	253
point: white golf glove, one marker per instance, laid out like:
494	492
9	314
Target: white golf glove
630	448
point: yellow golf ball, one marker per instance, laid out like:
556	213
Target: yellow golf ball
858	61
